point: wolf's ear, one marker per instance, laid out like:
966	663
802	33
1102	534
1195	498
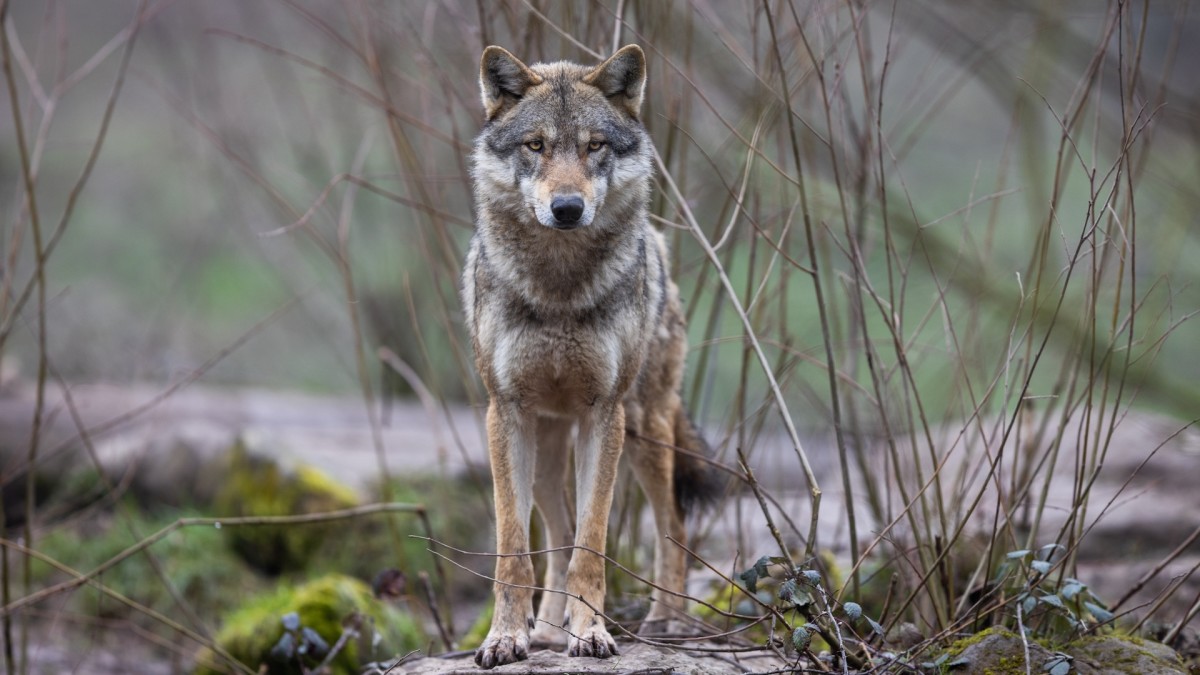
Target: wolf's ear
503	80
622	78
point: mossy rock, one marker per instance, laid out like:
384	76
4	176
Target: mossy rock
1125	654
249	633
995	651
257	486
999	651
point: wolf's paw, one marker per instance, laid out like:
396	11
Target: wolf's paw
592	641
499	649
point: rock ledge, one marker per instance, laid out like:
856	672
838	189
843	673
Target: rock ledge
634	658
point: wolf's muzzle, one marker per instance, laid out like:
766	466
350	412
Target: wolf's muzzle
567	211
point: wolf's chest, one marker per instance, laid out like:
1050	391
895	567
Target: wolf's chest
559	367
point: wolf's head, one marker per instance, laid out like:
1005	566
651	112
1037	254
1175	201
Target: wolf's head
561	140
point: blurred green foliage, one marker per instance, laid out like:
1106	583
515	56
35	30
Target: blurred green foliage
197	563
259	486
324	605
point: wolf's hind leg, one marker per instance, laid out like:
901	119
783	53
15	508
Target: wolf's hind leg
653	462
512	449
550	495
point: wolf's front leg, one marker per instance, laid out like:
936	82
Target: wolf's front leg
601	435
512	449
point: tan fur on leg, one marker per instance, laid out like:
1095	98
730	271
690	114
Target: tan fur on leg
601	435
511	446
654	466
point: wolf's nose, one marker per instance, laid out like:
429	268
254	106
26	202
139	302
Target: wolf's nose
567	209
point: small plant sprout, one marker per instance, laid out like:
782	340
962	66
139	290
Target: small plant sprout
1053	607
802	596
298	642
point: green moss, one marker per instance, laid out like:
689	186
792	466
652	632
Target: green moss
999	651
1126	653
260	487
1008	665
959	646
1000	664
249	633
1122	636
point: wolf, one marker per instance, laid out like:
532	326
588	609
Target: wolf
576	327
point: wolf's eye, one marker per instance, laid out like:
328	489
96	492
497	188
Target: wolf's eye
535	146
595	145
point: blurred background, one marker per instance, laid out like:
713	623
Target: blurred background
963	236
236	117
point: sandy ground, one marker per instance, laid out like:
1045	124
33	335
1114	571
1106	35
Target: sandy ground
332	433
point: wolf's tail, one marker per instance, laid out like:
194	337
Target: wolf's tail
697	482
